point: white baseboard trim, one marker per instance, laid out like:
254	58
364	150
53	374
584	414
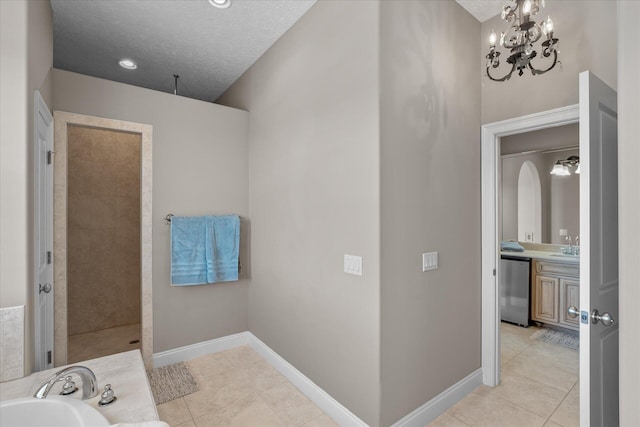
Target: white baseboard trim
341	415
188	352
439	404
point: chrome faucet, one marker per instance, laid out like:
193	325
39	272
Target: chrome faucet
89	382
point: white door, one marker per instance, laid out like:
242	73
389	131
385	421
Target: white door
43	233
599	256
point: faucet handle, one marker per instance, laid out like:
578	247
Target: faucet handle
107	397
69	386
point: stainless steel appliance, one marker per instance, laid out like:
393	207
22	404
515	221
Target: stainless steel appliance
515	274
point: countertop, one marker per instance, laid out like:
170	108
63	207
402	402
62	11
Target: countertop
124	371
544	255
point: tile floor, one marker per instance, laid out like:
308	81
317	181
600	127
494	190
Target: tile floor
102	343
539	387
238	388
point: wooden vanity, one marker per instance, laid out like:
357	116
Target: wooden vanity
555	286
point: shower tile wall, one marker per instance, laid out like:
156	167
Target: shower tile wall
103	252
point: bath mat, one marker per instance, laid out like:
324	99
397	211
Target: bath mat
566	339
171	382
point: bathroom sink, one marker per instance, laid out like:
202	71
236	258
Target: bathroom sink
54	411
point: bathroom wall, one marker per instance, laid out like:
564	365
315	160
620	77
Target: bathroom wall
313	100
199	167
430	201
26	58
103	229
587	42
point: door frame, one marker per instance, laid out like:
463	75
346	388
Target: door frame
490	174
61	121
43	338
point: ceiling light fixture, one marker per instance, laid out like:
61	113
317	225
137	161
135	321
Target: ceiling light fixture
561	168
520	37
221	4
128	64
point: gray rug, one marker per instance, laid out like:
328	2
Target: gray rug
171	382
566	339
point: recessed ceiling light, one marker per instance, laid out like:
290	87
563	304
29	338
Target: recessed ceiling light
222	4
128	64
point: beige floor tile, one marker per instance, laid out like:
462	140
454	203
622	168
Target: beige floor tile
321	421
242	356
551	424
568	413
558	354
102	343
446	420
492	411
544	370
511	346
529	394
209	366
262	376
250	411
293	407
202	402
189	423
174	412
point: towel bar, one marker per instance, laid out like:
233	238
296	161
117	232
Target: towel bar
168	217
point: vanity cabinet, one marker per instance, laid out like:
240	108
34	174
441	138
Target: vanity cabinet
556	287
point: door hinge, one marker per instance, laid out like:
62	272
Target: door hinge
49	157
494	271
49	357
48	257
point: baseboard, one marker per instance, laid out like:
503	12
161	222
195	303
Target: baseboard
439	404
341	415
188	352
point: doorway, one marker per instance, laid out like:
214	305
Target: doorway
102	238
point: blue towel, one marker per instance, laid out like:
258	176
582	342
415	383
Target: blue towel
188	250
204	249
511	246
223	248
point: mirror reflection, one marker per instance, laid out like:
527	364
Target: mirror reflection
538	206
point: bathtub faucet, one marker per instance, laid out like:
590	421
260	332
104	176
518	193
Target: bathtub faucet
89	382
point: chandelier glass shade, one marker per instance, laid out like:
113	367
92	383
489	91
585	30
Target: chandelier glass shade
520	38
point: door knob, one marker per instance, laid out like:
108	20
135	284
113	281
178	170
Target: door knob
46	288
573	312
606	318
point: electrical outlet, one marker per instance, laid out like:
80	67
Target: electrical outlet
353	265
429	261
563	232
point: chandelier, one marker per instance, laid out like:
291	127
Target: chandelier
520	37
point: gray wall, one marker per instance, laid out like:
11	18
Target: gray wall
26	46
430	201
314	196
587	42
199	167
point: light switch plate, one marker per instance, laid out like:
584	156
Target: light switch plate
563	231
353	265
429	261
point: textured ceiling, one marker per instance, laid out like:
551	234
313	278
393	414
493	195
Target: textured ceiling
209	48
483	9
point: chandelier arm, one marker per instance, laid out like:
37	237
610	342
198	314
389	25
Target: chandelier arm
506	77
535	71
